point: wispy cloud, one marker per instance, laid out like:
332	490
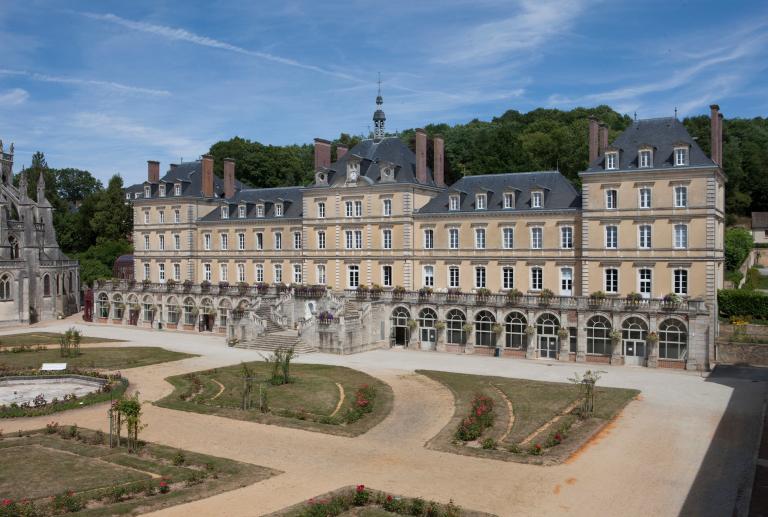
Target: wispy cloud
124	88
13	97
179	34
535	23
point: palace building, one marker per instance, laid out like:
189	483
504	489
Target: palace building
380	251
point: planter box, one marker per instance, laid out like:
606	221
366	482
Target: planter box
117	321
599	359
188	327
513	352
671	363
172	326
101	320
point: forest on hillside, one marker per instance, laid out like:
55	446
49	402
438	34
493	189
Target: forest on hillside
542	139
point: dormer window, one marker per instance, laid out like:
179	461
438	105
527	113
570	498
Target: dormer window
480	202
453	203
681	156
611	161
259	210
225	212
135	195
278	209
177	189
147	192
161	190
536	199
353	170
127	195
509	200
645	158
241	211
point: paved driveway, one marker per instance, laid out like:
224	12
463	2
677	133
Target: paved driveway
684	448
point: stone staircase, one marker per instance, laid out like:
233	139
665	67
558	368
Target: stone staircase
265	313
283	338
351	311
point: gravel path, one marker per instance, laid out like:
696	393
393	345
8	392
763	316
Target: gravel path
656	459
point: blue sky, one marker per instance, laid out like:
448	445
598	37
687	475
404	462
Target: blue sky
105	86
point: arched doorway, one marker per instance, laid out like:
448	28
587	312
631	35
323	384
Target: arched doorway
207	316
102	305
484	321
454	327
400	333
598	336
673	340
224	307
427	330
514	330
190	311
633	333
546	332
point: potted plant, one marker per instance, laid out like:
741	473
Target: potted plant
652	337
563	333
170	284
187	285
362	291
376	291
440	326
513	295
262	287
325	318
281	287
205	285
466	330
223	284
530	330
615	336
453	294
145	284
497	328
412	324
545	296
482	294
671	301
398	292
633	299
425	292
242	288
596	299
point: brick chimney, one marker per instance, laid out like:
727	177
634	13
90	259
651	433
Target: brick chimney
153	171
603	136
229	177
720	138
714	133
421	156
593	138
438	169
341	150
322	154
207	186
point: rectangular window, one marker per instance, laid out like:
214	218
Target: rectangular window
480	202
348	209
537	279
353	276
645	236
480	277
480	238
259	241
241	241
161	272
241	272
358	239
453	238
241	211
278	240
509	200
611	280
225	212
681	196
177	272
177	189
278	209
161	242
358	209
146	217
321	210
537	238
386	236
611	161
681	157
321	240
681	236
207	275
645	197
508	238
177	216
566	237
224	241
429	276
386	276
387	207
536	200
259	273
297	276
508	277
147	192
278	273
161	216
161	190
453	277
453	203
146	272
644	159
349	239
611	199
680	281
297	240
223	272
566	281
429	239
321	274
146	242
259	210
612	237
644	282
207	241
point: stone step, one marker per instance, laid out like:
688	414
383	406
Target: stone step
273	341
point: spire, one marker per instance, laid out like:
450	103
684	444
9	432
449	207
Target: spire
41	187
23	187
378	116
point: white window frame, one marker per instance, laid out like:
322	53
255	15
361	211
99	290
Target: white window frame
321	239
278	238
481	277
428	275
177	189
537	278
481	201
643	281
258	272
611	199
611	237
680	285
161	273
177	272
454	238
241	272
611	161
147	192
566	289
147	273
146	242
353	276
321	278
176	241
225	212
259	210
566	237
537	238
386	275
429	238
321	209
297	274
177	216
161	242
277	271
645	159
507	277
454	202
509	200
644	201
278	210
146	217
297	240
348	209
480	240
681	196
508	238
681	156
611	280
224	241
680	236
223	272
207	273
454	277
161	190
386	238
386	207
259	241
537	199
241	211
645	236
241	241
161	216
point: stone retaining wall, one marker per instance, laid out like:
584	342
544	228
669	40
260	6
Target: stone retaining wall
743	353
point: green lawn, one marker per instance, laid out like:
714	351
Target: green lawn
113	358
46	338
308	402
41	465
534	403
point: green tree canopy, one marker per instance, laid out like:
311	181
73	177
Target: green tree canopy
738	244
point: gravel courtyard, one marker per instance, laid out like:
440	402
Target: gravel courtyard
685	447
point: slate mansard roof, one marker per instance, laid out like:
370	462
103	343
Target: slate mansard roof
372	154
190	175
559	193
663	135
290	197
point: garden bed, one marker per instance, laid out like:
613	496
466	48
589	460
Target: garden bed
110	358
46	338
324	398
543	426
67	469
361	501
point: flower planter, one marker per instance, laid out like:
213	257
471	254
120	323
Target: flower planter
188	327
172	326
117	321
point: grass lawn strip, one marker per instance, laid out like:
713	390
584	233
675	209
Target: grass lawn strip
308	402
540	409
112	358
46	338
112	481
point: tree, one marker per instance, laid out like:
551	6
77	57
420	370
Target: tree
738	244
75	185
112	218
97	262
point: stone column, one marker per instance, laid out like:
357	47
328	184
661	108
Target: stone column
653	347
563	353
616	357
531	351
581	340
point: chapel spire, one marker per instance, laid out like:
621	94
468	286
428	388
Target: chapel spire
378	116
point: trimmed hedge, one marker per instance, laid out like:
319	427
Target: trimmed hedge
740	302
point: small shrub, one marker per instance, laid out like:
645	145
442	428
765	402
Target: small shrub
179	459
150	489
361	496
51	428
164	486
515	449
489	444
393	504
116	494
67	502
535	450
418	506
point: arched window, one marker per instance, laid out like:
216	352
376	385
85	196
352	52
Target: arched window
634	329
224	307
673	340
427	318
190	318
103	305
13	243
454	331
119	307
599	335
172	310
5	288
547	325
147	305
514	328
399	323
484	321
46	285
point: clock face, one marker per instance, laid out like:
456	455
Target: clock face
353	175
